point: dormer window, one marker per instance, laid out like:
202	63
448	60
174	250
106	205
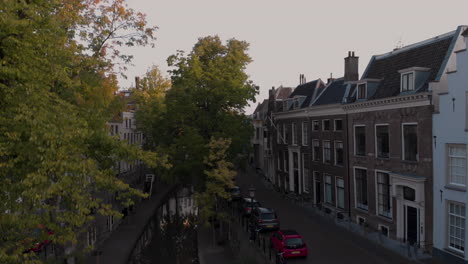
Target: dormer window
285	105
362	91
296	103
407	82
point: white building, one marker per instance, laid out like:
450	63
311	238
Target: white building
450	141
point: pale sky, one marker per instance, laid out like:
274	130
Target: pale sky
288	38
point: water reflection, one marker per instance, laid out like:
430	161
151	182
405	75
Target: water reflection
174	239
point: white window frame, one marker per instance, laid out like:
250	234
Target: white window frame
448	158
375	139
325	183
296	103
314	158
91	241
358	93
286	160
294	133
354	139
334	148
384	226
323	124
284	133
305	133
463	218
323	151
403	140
355	193
336	193
334	125
390	216
313	126
413	83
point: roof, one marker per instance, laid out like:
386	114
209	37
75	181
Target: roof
428	54
333	93
283	92
289	232
310	90
465	33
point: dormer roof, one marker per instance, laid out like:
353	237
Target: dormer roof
428	55
333	93
309	90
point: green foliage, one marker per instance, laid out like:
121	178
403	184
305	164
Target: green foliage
55	97
203	108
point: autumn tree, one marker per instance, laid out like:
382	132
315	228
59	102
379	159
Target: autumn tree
56	93
203	111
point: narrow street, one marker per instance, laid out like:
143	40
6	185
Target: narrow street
326	242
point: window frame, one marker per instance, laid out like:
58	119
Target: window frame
314	156
294	139
336	156
323	125
286	161
358	94
329	151
305	133
355	143
403	156
313	125
402	75
334	125
305	177
448	170
447	226
325	185
355	188
336	192
377	203
284	133
376	142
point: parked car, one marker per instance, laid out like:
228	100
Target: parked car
265	219
289	242
246	205
235	193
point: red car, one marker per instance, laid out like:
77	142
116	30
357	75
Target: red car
289	242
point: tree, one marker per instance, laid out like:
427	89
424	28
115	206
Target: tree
55	97
203	108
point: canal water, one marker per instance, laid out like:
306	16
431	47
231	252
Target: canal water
174	240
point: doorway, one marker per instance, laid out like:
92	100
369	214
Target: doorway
296	172
317	192
411	225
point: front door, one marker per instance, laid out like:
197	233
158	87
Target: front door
317	192
411	225
296	172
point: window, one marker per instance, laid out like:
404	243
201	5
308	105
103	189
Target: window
284	134
360	179
410	142
360	140
361	220
407	82
383	195
316	150
279	161
409	194
305	134
456	163
315	125
383	230
130	123
257	133
286	163
288	135
326	125
116	129
456	226
305	172
339	153
294	133
326	152
110	222
328	189
382	141
296	103
340	200
361	93
285	105
338	125
278	134
91	236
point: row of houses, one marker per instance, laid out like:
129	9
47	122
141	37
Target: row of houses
386	150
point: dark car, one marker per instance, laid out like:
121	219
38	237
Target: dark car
246	206
235	193
265	219
290	243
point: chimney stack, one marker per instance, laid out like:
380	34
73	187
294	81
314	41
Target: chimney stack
351	67
137	83
329	80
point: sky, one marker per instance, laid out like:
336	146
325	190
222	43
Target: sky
288	38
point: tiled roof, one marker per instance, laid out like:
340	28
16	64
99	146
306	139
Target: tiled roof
429	54
308	90
465	33
283	92
332	93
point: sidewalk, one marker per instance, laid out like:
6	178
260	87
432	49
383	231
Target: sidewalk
118	248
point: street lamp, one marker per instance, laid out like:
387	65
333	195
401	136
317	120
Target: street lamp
252	196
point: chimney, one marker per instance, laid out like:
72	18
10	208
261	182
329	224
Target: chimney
351	67
300	79
137	83
329	80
